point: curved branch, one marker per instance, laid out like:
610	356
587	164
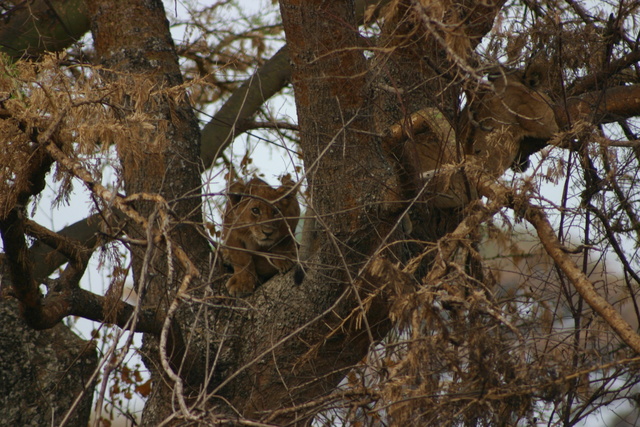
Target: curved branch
234	116
66	298
52	249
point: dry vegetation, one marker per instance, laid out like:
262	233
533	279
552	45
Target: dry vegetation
518	309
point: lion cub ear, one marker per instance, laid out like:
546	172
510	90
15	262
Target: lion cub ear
287	191
236	191
287	181
288	186
537	76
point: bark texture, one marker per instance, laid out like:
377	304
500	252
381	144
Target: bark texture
300	344
133	40
42	373
265	356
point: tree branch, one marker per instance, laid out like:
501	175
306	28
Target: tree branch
32	28
538	218
62	300
24	286
69	248
593	80
602	106
234	118
66	298
46	257
585	288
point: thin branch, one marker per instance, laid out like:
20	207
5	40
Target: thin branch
592	80
102	192
91	306
272	125
579	10
538	218
64	299
616	143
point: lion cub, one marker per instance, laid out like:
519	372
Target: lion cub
501	127
258	226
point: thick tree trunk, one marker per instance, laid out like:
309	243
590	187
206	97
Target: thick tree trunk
300	344
133	41
272	356
289	344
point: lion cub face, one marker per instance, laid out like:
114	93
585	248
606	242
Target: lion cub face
258	227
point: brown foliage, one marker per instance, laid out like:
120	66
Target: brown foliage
389	325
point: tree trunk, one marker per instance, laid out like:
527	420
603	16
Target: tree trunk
133	42
271	356
42	373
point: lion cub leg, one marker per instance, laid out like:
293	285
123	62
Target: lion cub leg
244	279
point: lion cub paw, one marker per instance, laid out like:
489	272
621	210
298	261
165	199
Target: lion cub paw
240	286
282	265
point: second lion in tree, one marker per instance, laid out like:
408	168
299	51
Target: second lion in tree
503	124
258	232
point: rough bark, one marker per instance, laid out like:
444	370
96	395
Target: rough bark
287	344
299	346
133	38
42	373
427	56
601	106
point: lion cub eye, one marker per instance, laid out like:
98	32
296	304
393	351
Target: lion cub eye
255	211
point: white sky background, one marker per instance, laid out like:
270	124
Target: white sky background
270	161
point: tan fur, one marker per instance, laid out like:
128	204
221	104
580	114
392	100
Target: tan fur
258	226
506	117
501	127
